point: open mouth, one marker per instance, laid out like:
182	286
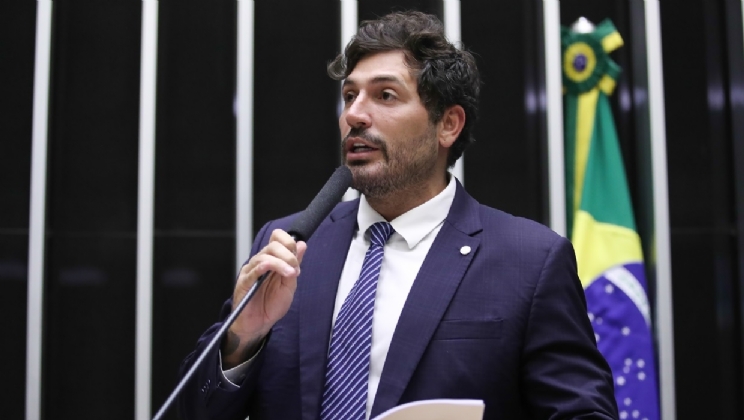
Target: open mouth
358	146
361	147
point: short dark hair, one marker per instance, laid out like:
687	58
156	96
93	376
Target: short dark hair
446	75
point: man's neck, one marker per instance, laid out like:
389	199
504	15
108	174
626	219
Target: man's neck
399	202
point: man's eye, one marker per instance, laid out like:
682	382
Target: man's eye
387	96
349	97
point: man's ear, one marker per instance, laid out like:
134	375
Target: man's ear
450	126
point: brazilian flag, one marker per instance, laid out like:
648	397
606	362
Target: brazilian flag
601	223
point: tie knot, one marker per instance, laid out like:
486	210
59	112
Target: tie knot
380	232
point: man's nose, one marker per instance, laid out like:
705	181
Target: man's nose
357	115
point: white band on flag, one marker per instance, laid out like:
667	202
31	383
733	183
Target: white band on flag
629	284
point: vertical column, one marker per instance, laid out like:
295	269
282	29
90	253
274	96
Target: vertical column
349	21
37	219
244	164
664	321
454	35
554	111
145	209
244	169
349	24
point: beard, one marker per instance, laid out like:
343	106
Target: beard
405	164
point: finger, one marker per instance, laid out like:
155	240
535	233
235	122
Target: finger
280	251
276	250
284	238
261	264
285	267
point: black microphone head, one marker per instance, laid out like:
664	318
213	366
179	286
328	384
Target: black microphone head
309	220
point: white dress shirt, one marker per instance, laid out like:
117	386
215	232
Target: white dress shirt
405	252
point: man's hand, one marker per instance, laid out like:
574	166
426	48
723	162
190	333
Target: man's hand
282	256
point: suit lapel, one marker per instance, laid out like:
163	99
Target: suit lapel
316	291
435	285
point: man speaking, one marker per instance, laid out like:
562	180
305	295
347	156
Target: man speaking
414	291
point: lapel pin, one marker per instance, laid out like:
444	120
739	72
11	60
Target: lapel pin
465	250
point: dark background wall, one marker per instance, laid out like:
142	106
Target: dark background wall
194	240
703	79
17	23
89	290
92	180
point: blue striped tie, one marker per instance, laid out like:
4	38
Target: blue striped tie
347	373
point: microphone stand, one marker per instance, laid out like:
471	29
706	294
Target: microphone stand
217	338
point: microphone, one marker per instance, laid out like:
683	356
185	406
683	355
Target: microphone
301	230
309	220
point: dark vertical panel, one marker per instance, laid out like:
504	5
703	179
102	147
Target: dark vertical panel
94	117
723	226
735	101
195	167
17	23
701	202
193	276
92	206
13	298
536	104
503	166
372	9
89	329
194	246
297	142
18	28
703	349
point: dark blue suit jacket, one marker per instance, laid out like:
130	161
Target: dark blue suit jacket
505	323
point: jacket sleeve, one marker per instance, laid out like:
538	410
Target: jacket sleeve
206	396
564	376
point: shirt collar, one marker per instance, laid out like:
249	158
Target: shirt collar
416	223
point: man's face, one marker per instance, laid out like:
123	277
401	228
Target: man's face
388	141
